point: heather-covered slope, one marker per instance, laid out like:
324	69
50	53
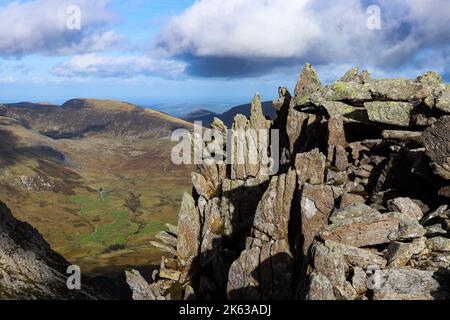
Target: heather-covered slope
358	210
76	191
78	118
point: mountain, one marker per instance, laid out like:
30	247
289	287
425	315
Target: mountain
228	117
71	172
357	210
81	117
203	115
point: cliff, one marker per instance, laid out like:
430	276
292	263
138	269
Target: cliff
357	210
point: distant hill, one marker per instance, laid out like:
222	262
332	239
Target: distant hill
203	115
81	117
227	117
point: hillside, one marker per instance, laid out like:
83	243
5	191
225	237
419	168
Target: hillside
72	180
78	118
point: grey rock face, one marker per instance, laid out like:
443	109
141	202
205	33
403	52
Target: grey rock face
29	268
437	144
409	284
358	209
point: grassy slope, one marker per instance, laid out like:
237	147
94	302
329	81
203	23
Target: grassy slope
100	235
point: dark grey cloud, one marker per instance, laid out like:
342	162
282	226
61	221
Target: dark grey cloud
246	38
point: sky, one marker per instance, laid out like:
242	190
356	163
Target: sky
180	55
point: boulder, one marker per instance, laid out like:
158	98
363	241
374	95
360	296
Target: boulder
437	143
273	213
316	204
390	112
189	232
405	206
329	260
409	284
439	244
443	101
373	229
362	258
310	167
320	288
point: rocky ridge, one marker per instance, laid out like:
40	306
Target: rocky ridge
29	268
358	210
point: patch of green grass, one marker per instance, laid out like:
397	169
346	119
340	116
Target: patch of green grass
114	233
153	227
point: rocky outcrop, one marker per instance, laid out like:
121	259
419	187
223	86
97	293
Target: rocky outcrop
358	209
29	269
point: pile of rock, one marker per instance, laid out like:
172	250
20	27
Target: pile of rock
359	209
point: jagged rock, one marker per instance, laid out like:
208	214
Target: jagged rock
341	158
212	231
188	244
243	278
398	254
372	229
413	136
353	164
405	206
317	202
172	229
139	286
308	83
310	167
320	288
439	212
353	75
203	187
360	257
348	112
359	280
30	269
3	110
164	247
329	260
274	210
167	238
348	198
343	91
443	102
170	274
336	135
283	100
435	230
390	112
409	284
437	144
353	210
398	90
439	244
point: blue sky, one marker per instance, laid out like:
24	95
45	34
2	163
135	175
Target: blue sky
185	54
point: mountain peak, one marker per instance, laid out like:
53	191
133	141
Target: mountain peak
98	104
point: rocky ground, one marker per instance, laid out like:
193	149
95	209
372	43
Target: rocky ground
358	210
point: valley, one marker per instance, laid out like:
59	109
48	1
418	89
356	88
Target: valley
68	171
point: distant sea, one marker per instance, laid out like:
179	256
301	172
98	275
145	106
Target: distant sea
181	109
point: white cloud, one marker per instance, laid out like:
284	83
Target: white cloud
260	35
40	26
94	65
